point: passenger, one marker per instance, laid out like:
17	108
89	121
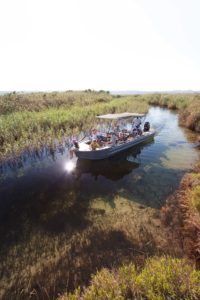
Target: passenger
94	144
136	122
139	130
93	135
134	130
113	139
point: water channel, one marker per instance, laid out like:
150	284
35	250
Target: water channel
45	206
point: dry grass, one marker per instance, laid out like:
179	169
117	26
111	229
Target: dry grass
182	212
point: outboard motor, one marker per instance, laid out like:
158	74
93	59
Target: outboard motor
146	126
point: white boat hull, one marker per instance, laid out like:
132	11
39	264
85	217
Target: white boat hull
109	151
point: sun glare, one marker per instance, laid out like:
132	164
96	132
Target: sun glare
69	166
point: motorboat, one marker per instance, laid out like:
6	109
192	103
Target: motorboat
114	140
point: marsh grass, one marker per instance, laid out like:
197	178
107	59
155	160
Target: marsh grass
30	122
27	131
160	278
18	102
188	106
182	212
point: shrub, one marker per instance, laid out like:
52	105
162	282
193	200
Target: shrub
169	278
160	279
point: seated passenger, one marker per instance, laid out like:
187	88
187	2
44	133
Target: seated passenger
136	122
139	130
94	144
134	130
113	139
93	135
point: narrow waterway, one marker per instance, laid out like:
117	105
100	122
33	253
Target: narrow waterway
45	206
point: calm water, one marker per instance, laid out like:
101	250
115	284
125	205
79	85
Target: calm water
44	203
146	174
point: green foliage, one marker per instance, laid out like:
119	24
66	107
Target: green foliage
169	278
160	279
31	121
31	129
104	286
187	104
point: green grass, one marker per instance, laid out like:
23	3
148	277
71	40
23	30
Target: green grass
160	279
188	106
30	121
31	130
15	102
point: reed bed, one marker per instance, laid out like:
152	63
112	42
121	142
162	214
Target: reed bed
17	102
182	212
188	106
29	122
32	130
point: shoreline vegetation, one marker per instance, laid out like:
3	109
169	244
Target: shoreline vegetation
171	236
30	122
182	211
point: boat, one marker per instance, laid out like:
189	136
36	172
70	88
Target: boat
112	143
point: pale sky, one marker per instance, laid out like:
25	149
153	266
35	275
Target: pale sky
99	44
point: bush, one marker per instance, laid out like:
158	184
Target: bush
160	279
169	278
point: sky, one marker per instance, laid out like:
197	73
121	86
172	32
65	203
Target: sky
143	45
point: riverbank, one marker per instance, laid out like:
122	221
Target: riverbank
188	106
182	211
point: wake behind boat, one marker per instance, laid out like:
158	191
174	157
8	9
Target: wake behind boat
114	140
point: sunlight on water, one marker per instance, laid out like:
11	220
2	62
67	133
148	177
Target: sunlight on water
70	166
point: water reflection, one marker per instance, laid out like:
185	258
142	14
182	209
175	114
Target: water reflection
113	168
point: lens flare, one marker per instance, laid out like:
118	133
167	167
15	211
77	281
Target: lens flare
69	166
